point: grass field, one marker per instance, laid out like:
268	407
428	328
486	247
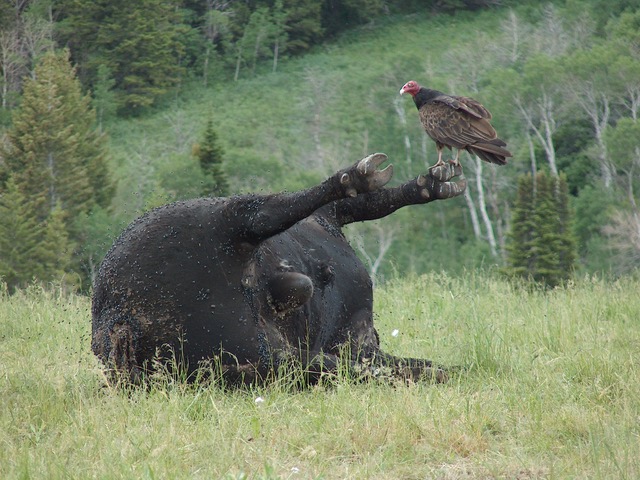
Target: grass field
552	390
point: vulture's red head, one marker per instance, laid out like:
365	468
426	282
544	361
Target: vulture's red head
410	87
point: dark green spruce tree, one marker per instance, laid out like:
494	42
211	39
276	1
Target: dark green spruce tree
520	238
31	249
211	156
545	247
56	158
540	244
54	152
568	250
138	42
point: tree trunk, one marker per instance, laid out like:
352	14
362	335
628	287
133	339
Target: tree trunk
238	60
52	176
597	107
205	72
398	105
532	155
544	130
600	123
384	239
472	213
275	55
483	208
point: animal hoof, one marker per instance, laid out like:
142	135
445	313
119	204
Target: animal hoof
365	177
369	164
441	173
368	167
451	189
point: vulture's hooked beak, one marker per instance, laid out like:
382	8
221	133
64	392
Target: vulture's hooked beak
402	91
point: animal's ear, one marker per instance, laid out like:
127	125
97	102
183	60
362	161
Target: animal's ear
289	290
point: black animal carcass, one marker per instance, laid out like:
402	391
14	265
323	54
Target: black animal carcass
254	281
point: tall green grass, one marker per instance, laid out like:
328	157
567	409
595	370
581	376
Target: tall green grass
549	388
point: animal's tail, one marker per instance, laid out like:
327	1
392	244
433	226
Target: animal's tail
491	151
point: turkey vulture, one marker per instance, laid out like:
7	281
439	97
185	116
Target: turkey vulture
457	122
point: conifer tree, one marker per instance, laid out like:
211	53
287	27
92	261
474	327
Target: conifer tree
30	248
210	155
137	41
55	157
522	232
54	250
546	241
540	244
567	243
55	154
19	233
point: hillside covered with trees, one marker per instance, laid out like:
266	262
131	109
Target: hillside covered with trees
109	108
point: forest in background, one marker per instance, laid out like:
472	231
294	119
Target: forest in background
295	90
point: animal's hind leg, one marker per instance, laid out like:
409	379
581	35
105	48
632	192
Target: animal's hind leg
265	216
412	368
114	342
437	184
122	357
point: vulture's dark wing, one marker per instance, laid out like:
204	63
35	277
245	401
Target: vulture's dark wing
466	104
456	121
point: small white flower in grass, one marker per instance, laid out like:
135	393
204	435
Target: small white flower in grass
395	332
295	470
259	400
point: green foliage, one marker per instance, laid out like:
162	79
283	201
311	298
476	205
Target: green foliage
541	244
572	141
104	98
285	125
7	15
592	207
31	249
336	14
318	113
211	157
56	158
303	24
137	41
622	144
522	229
54	152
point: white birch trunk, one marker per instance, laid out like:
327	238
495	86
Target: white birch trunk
398	105
544	130
384	240
482	206
473	214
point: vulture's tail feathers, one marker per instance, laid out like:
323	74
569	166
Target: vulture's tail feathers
491	151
